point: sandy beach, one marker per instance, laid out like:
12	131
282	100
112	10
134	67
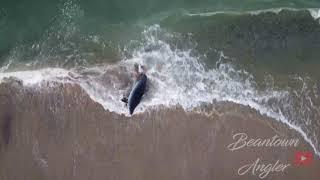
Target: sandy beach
60	133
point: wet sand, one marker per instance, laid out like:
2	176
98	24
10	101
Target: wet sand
60	133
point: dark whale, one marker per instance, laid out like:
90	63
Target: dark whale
136	93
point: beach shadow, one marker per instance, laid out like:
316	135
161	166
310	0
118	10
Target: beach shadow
6	118
6	128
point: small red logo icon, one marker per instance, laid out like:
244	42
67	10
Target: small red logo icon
303	158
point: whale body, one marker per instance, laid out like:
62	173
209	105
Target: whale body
136	93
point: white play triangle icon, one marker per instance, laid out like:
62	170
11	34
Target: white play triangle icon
303	158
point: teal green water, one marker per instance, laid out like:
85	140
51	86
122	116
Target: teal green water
23	21
76	33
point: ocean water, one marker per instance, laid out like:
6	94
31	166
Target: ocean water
263	54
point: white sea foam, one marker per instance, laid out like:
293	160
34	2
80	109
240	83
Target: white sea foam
176	78
6	66
35	77
254	12
314	12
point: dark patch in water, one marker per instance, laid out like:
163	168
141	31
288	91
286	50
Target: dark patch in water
286	42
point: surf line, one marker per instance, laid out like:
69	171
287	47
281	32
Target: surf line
242	140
